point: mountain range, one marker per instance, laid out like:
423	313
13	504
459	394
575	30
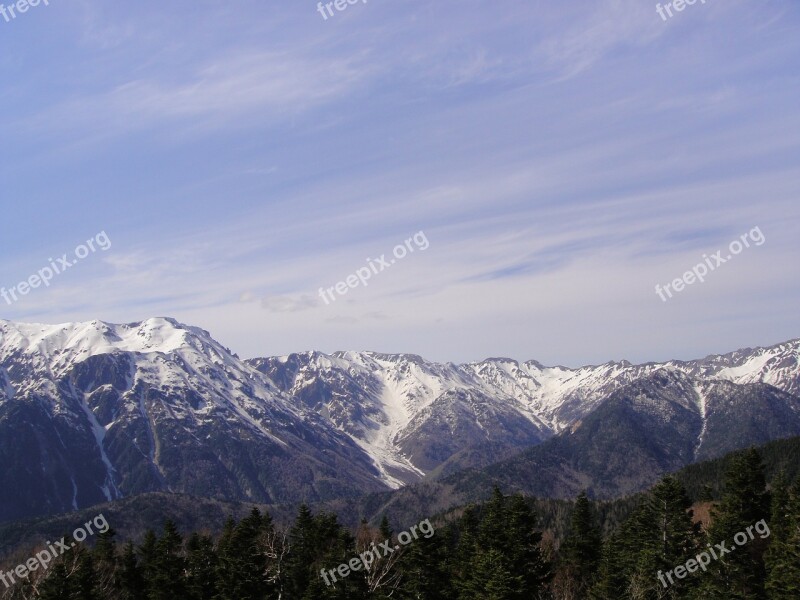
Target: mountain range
92	412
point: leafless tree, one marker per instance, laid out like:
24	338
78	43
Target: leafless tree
382	573
276	550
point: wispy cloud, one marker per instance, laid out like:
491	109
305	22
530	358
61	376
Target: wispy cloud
249	87
564	158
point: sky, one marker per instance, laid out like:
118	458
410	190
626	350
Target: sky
555	161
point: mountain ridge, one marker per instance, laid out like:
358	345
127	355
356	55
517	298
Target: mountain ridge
104	410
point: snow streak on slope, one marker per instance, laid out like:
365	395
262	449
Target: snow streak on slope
401	414
138	404
381	400
702	407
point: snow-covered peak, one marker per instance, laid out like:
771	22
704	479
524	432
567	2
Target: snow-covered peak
394	406
60	347
777	365
98	337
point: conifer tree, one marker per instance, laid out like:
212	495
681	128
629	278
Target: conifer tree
425	569
57	584
105	562
201	568
243	558
148	556
302	541
508	542
779	506
612	575
226	578
130	578
739	574
83	580
168	580
582	547
783	556
658	536
385	529
493	579
706	493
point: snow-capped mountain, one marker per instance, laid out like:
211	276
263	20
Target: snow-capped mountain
413	415
652	426
95	411
92	411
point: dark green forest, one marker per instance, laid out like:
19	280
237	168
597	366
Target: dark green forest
499	550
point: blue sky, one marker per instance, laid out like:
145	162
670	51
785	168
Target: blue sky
561	160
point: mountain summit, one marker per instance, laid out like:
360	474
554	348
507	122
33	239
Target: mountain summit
94	411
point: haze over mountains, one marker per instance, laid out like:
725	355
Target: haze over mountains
94	411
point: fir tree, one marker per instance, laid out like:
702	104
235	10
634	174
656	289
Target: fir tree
105	562
385	529
148	556
658	536
84	578
783	556
243	559
130	577
582	547
425	569
201	568
57	584
168	571
303	544
508	541
739	574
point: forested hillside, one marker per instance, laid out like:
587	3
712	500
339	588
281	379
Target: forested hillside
502	549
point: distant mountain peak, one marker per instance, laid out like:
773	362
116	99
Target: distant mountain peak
158	404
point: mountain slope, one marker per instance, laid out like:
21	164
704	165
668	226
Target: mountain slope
655	425
416	416
90	412
93	412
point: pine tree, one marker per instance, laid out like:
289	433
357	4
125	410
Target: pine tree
336	545
105	561
677	534
243	560
779	506
303	554
658	536
425	569
783	556
168	580
612	574
524	542
582	547
385	529
507	541
84	578
130	578
739	574
148	556
201	567
57	584
493	580
226	578
706	493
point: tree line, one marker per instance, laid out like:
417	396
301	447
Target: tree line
493	551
